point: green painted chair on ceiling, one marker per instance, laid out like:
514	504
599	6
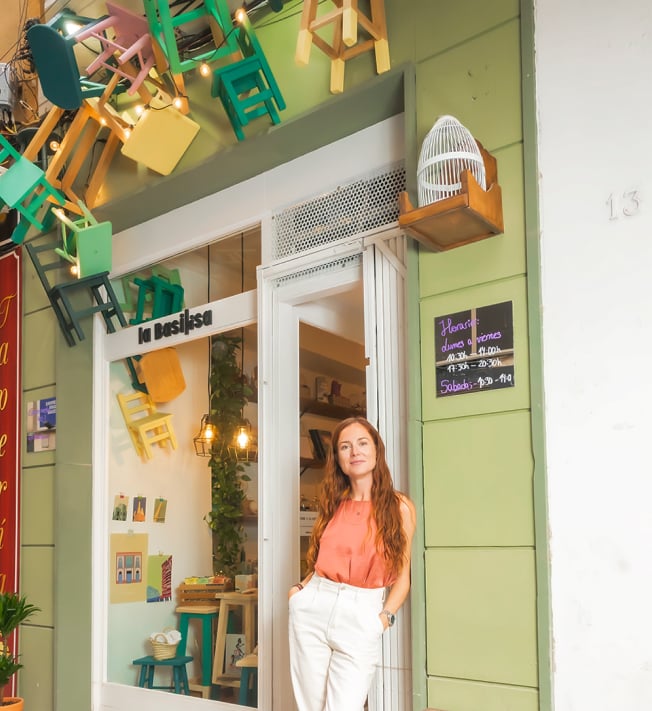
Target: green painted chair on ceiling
163	297
247	87
73	300
23	186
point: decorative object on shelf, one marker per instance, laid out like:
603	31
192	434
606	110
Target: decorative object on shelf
347	42
228	396
63	291
24	186
447	151
85	242
131	42
14	610
247	87
146	425
472	215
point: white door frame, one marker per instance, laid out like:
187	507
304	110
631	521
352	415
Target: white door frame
379	261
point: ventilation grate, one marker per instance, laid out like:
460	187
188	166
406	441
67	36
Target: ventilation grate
365	204
352	260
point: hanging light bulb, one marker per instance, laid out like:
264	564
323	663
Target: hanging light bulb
204	439
242	438
204	69
177	102
240	15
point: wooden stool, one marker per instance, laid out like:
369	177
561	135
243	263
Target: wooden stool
346	42
207	614
249	665
228	601
179	673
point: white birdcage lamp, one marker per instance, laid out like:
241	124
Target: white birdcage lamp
447	151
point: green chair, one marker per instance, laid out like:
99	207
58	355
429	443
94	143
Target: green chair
66	295
88	243
179	673
247	88
58	73
23	186
166	299
166	29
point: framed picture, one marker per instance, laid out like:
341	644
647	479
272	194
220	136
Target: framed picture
234	649
321	442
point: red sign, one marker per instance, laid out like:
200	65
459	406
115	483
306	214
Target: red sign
10	320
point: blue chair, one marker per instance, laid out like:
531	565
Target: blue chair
247	88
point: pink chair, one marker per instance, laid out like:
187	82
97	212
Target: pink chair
131	41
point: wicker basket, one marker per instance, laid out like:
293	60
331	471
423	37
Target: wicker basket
161	648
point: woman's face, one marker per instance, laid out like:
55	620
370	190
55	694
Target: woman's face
356	451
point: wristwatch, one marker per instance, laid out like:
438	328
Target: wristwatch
391	617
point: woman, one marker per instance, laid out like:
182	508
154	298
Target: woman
359	549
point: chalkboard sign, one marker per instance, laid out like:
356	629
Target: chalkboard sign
474	350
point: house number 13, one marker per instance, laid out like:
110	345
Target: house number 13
626	204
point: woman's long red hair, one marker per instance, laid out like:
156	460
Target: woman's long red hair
386	503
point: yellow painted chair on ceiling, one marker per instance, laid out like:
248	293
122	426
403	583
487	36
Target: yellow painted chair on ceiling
146	425
347	41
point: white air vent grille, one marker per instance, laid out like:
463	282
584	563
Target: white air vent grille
351	260
365	204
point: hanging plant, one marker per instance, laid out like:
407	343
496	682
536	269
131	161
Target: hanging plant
228	396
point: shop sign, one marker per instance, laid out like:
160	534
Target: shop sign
474	350
180	324
10	312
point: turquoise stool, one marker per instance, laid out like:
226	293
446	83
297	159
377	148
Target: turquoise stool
207	614
248	695
179	674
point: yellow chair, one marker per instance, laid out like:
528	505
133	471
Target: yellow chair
160	371
147	426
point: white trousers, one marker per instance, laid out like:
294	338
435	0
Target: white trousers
335	632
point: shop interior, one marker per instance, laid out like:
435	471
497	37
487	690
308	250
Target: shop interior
182	546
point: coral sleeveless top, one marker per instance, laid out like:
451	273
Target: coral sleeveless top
347	548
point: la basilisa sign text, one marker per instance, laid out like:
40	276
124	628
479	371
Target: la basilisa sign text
181	323
10	308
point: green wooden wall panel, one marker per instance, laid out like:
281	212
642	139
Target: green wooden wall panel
34	296
39	334
481	607
464	695
37	500
478	481
35	679
479	83
36	580
491	259
440	24
44	457
514	398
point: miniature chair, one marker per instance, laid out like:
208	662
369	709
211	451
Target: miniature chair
345	43
207	614
166	299
24	186
160	372
63	292
131	41
88	245
57	69
148	665
247	88
165	28
146	425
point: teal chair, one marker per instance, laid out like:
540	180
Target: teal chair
58	73
167	31
23	186
247	88
66	294
166	299
85	242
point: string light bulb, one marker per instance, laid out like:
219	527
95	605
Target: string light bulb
242	438
177	102
204	69
139	109
54	145
240	15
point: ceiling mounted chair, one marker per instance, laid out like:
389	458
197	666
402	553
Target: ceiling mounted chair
131	43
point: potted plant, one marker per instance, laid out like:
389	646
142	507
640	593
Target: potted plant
228	396
14	610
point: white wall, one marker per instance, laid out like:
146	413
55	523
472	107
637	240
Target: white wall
593	72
